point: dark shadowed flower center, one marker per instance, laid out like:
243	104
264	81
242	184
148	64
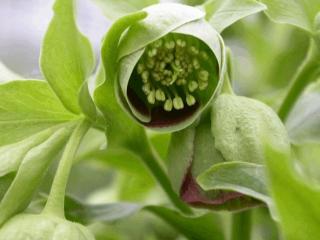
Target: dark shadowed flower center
173	72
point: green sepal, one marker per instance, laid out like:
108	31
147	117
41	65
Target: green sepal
30	172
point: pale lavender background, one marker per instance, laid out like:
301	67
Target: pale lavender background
22	27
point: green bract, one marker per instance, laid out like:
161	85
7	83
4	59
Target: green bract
169	66
42	227
218	163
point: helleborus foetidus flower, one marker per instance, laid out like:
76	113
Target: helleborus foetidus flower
168	66
218	163
42	227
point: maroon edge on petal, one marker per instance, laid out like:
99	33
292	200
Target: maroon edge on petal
192	194
160	117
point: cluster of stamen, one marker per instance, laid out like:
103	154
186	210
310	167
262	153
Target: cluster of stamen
172	72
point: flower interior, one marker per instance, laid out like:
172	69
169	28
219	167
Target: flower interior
175	74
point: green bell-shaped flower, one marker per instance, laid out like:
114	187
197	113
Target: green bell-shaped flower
218	162
169	66
43	227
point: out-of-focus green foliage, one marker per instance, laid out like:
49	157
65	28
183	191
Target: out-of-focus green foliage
296	200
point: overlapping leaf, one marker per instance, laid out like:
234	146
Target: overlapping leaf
30	172
34	126
114	9
66	57
300	13
303	123
296	200
223	13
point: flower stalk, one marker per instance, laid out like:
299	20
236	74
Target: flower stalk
55	202
309	71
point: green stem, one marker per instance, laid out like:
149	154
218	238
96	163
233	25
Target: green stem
308	72
241	226
226	87
152	160
55	203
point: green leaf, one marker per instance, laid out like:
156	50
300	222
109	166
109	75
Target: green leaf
5	182
30	173
296	201
303	123
88	213
67	58
7	74
12	155
300	13
86	103
114	9
307	156
191	2
205	227
28	107
242	177
223	13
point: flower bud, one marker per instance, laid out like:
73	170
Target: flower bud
240	125
42	227
169	68
234	131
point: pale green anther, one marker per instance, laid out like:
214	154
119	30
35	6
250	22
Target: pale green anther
158	43
140	68
169	58
162	65
167	72
152	52
181	43
170	44
160	96
192	86
181	81
150	63
194	50
190	100
151	97
168	105
204	55
146	88
164	82
204	75
178	103
169	66
203	85
156	77
145	76
195	63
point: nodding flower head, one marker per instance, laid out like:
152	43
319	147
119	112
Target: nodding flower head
205	159
169	66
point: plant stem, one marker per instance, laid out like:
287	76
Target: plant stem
55	203
227	87
308	72
241	226
152	160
